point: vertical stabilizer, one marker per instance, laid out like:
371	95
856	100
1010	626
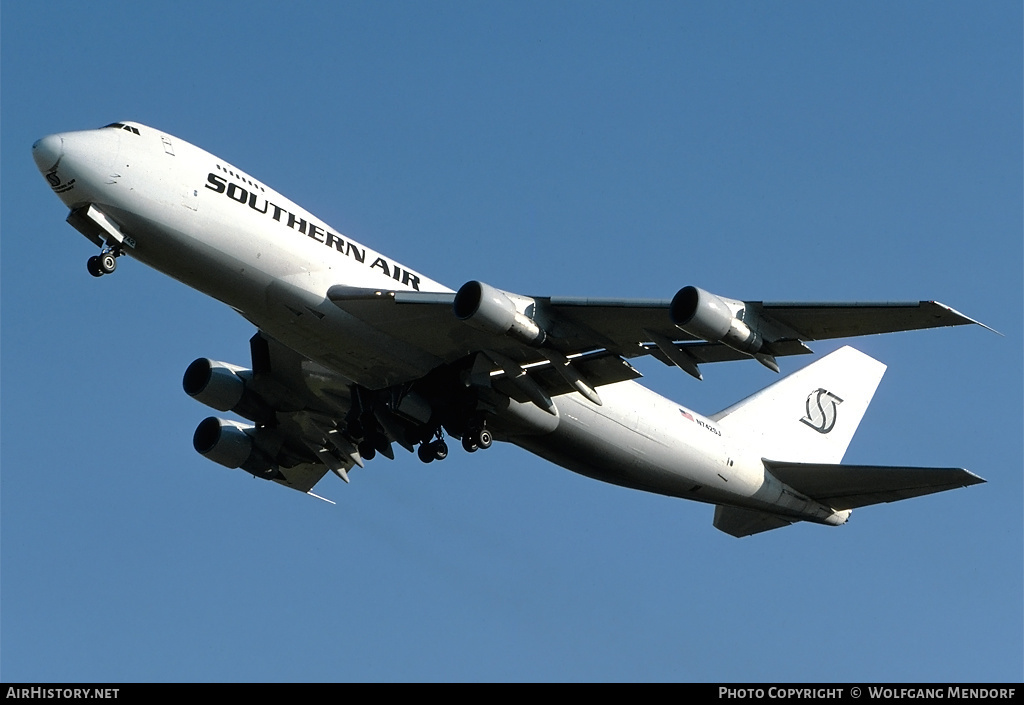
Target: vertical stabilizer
811	415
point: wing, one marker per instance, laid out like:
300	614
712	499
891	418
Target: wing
693	328
822	321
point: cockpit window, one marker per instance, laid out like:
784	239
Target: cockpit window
122	126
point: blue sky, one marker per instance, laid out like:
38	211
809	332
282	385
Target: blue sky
782	151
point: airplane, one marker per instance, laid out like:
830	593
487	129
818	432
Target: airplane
355	353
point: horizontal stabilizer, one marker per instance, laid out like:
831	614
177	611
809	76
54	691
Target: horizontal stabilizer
744	522
851	486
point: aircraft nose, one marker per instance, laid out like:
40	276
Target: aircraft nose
47	152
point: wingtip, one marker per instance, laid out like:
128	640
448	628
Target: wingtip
965	320
973	479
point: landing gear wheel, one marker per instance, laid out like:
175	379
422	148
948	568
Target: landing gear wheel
425	453
107	263
434	450
484	439
93	265
367	451
440	449
477	439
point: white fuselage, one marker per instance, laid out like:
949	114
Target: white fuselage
206	223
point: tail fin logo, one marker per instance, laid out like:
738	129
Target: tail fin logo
821	410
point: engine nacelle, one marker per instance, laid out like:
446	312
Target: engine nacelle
232	445
714	319
225	387
493	311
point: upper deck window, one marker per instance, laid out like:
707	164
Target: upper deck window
241	177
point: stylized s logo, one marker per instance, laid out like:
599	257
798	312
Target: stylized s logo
821	410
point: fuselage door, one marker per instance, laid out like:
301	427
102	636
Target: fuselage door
189	194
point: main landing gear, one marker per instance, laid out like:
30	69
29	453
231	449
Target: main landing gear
430	451
479	438
103	263
472	440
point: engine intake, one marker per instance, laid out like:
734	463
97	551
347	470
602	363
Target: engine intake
225	387
230	444
714	319
493	311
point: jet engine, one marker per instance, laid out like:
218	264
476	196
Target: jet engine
715	319
225	387
495	311
232	445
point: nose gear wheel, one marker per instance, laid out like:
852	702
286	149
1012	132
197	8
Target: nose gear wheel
103	263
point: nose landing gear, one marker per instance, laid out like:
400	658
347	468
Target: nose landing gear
103	263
